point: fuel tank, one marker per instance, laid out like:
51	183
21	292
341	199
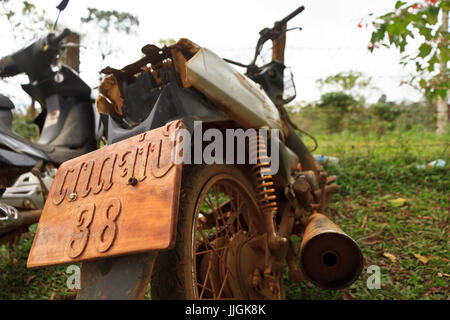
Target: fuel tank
237	95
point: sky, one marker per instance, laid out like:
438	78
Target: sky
330	41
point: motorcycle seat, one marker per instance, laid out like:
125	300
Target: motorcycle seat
6	103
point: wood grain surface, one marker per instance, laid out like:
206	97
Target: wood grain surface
120	199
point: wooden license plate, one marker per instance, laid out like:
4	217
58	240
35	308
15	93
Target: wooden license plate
120	199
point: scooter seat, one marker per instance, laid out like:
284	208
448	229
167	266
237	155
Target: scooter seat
54	154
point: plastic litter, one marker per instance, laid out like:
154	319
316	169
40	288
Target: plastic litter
326	159
439	163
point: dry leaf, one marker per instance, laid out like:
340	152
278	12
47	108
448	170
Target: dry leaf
440	275
364	222
27	282
421	258
372	242
438	258
347	295
52	297
390	256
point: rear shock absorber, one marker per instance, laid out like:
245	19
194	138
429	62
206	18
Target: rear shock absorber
265	191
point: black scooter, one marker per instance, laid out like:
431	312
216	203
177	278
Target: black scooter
69	127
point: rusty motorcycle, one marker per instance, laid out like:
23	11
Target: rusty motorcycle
131	214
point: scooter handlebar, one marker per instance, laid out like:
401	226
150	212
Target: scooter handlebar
8	68
56	39
292	15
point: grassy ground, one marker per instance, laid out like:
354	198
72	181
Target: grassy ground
409	242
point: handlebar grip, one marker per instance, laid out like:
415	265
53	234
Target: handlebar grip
54	40
292	15
62	35
8	68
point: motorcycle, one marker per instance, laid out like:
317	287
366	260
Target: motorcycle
69	127
131	213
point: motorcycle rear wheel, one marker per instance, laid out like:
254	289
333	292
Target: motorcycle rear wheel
218	213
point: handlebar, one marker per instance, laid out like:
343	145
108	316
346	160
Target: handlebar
273	33
35	59
292	15
60	37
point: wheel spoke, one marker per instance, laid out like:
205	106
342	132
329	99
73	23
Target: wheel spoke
227	215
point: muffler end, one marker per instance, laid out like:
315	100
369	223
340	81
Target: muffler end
329	258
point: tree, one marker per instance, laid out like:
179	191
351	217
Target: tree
26	22
336	106
420	19
349	82
108	22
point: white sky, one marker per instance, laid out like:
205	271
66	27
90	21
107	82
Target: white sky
330	41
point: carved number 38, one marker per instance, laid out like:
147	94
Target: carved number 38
85	216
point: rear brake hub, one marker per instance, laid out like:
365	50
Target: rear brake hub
252	278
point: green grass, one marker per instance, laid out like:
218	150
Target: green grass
372	170
18	282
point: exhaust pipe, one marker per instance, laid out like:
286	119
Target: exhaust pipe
329	258
11	218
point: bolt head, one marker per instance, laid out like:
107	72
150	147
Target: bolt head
73	196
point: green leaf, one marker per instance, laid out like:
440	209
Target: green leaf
423	83
441	93
398	4
432	14
426	32
444	52
434	59
445	5
424	50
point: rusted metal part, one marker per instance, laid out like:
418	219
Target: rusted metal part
255	272
265	191
11	218
233	258
303	191
329	258
111	97
110	100
325	194
153	55
122	278
187	47
30	217
295	274
306	159
36	171
279	44
26	218
180	66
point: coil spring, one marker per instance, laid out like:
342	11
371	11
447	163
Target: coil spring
265	193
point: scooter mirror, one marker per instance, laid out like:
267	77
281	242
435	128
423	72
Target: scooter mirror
62	5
